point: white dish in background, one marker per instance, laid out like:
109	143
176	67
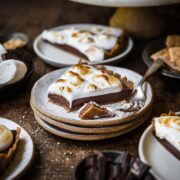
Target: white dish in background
60	58
127	3
24	154
153	153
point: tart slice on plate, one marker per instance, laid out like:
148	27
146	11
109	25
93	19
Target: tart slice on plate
84	83
166	129
93	44
8	145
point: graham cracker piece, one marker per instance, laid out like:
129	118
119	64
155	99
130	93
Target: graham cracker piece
173	40
92	110
162	54
174	61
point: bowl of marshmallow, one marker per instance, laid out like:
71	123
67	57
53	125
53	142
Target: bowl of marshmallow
16	68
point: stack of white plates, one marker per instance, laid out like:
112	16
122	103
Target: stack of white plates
57	121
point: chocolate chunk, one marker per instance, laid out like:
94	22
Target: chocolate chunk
114	172
89	162
137	170
100	165
89	174
124	162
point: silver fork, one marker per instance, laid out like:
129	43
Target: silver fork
138	94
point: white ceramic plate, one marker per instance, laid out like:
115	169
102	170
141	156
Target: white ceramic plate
60	58
39	98
84	137
24	154
127	3
151	152
90	130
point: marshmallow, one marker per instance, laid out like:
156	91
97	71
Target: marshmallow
11	71
6	138
81	81
168	128
92	42
7	71
20	72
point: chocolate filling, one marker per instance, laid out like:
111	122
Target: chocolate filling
70	49
101	99
168	146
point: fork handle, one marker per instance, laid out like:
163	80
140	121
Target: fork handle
153	68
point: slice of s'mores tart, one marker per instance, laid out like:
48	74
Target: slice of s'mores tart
93	44
166	129
84	83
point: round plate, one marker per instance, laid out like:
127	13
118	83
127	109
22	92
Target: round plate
127	3
90	130
39	98
153	47
59	58
24	154
83	137
164	164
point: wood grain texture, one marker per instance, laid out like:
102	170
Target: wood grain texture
56	157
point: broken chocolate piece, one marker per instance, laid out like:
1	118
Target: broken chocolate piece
124	161
138	169
114	166
114	172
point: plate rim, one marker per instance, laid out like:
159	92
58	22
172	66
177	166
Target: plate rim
85	137
81	129
126	4
141	142
30	162
94	122
118	58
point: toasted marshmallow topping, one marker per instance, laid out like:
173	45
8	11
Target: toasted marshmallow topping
168	128
92	42
81	81
6	138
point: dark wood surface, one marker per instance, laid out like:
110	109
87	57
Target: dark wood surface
56	157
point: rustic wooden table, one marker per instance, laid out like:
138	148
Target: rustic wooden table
56	157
